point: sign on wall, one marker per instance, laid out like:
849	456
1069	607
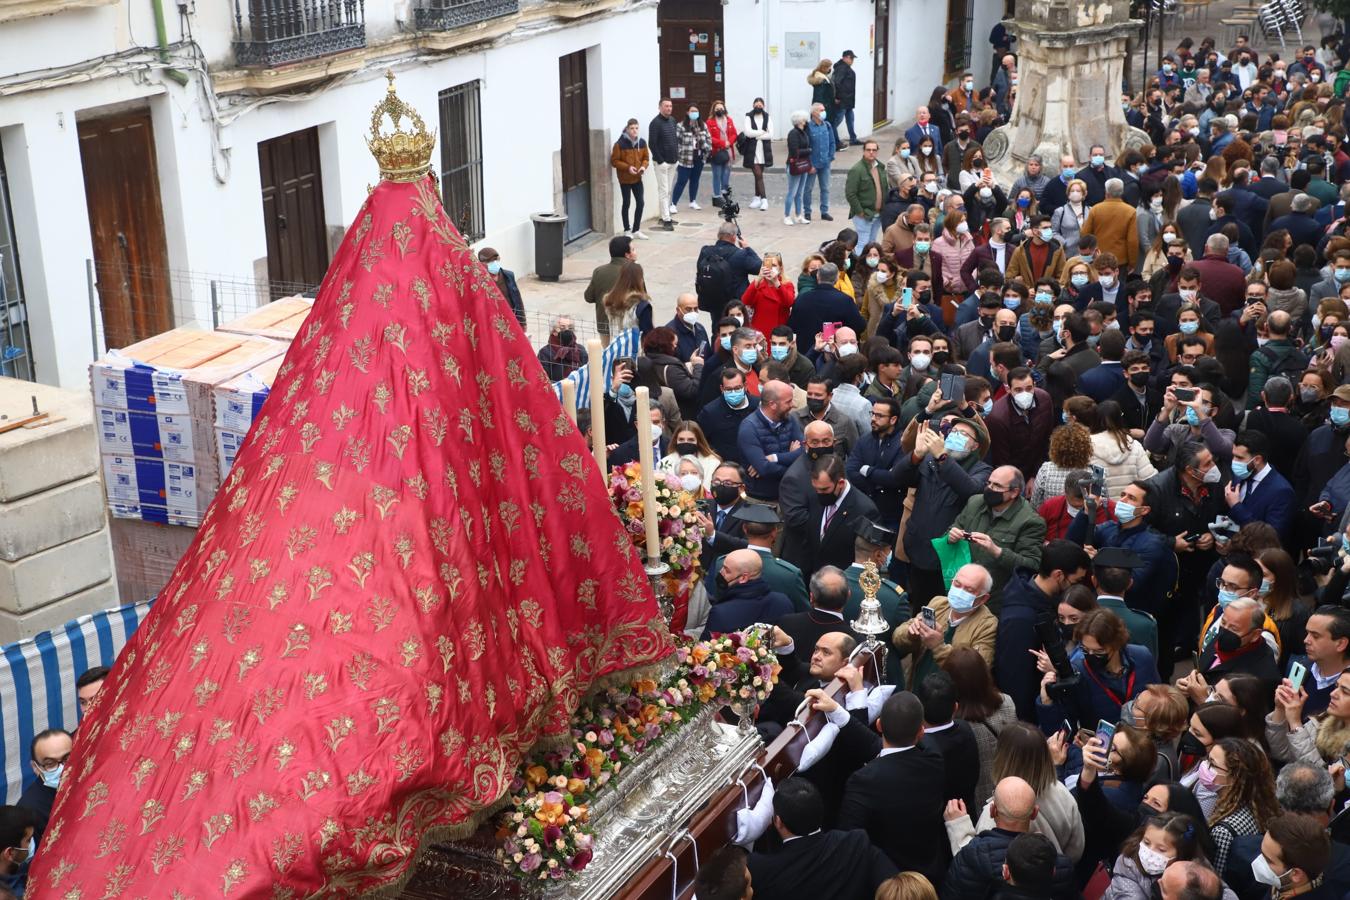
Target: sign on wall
802	49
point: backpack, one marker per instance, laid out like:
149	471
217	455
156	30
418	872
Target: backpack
710	283
1292	364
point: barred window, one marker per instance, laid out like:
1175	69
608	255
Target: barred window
960	26
462	158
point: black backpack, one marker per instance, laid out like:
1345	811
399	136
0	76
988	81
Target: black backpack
711	281
1292	363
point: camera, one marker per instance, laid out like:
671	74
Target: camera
1319	560
1048	632
730	208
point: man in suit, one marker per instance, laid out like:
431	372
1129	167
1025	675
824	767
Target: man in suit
1194	219
825	303
1095	175
722	531
48	751
762	527
829	594
1275	418
1154	578
951	737
812	862
923	127
744	597
1106	380
1239	647
897	797
1113	568
1258	493
1301	222
1269	184
870	465
835	509
978	870
628	451
795	492
974	333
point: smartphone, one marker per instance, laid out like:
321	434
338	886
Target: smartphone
953	387
1105	731
907	298
1098	479
828	329
1185	395
989	173
1084	735
1192	537
930	618
1296	672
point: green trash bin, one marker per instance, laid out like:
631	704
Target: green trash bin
549	231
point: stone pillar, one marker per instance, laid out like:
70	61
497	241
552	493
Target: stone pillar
1071	59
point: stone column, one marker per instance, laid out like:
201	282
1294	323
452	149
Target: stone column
1071	59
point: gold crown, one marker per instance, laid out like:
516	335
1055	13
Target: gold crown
402	155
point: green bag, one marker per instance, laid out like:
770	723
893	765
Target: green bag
952	557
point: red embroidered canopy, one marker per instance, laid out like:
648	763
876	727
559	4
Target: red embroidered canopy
411	576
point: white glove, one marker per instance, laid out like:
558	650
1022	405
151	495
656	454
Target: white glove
819	745
753	821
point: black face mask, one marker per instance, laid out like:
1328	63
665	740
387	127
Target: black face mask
1146	812
1227	641
992	498
1139	379
926	297
726	494
815	453
826	498
815	405
940	357
687	448
722	583
1006	332
1189	745
986	322
1065	632
1174	263
1097	660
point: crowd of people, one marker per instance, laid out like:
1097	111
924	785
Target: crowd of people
1093	428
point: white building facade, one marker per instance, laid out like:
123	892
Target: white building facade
179	162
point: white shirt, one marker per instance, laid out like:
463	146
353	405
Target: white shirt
831	511
1246	486
930	729
886	751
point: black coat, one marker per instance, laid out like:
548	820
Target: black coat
977	871
961	760
845	85
662	140
742	605
805	628
835	546
38	799
897	799
824	304
840	865
1259	661
881	483
1023	606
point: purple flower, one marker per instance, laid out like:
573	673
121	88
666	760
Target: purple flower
531	862
551	834
745	654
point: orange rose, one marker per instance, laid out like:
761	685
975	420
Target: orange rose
706	692
650	713
575	786
535	776
551	813
596	760
645	686
727	660
700	654
621	730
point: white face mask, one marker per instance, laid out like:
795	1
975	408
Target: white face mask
1024	400
920	361
773	271
881	277
1168	236
1076	196
691	483
1151	861
690	318
926	151
846	350
963	228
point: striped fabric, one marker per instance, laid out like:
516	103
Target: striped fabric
625	344
37	681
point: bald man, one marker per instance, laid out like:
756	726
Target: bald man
691	338
977	869
1191	881
770	440
1278	356
745	598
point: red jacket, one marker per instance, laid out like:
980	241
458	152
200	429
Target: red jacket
1222	282
1057	516
721	141
770	305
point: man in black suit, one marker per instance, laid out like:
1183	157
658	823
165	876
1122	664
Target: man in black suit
841	865
829	592
952	738
794	493
629	451
822	304
835	510
723	532
897	797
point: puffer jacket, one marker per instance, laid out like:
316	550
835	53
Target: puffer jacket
628	153
822	90
1122	466
978	868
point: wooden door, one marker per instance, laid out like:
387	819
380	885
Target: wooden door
881	94
576	147
292	196
692	57
126	223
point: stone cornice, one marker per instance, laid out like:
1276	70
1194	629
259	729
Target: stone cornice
10	10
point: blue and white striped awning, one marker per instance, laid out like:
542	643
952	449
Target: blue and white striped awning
37	681
625	344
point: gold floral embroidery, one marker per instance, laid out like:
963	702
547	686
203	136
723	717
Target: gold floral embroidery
381	612
242	757
297	641
360	669
312	783
316	683
152	812
260	806
318	579
384	293
143	770
403	234
396	334
398	439
215	828
344	519
110	839
266	702
407	760
221	730
386	714
310	434
361	353
234	873
338	731
248	660
286	850
167	851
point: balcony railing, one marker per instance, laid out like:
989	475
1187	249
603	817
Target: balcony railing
276	32
441	15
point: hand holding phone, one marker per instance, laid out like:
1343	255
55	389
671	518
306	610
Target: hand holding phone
929	617
1183	395
1105	732
1296	672
907	298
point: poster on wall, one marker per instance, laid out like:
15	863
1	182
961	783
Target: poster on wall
802	49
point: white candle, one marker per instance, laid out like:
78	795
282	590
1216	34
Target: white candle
569	399
595	363
644	430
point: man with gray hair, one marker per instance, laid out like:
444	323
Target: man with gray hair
1003	529
824	303
1112	222
828	593
1274	418
722	270
961	618
824	143
1302	222
1190	880
1224	283
1238	646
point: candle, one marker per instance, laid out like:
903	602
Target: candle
569	399
595	362
644	430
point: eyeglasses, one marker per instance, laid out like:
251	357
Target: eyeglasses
51	765
1216	768
724	483
1229	586
995	487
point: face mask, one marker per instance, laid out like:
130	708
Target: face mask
773	271
963	228
740	320
779	352
1189	327
693	115
1261	342
690	319
970	85
920	361
1266	587
719	112
1308	395
1213	214
1151	861
1263	873
1139	379
987	407
904	153
940	357
921	247
1125	512
1316	320
986	193
1079	280
815	405
846	350
749	356
687	448
873	261
1076	196
1337	341
624	392
1212	475
726	342
1066	632
726	494
1168	236
52	779
926	151
1341	275
960	600
1339	415
882	278
1167	70
1203	772
1227	641
1064	417
1057	326
1007	332
1047	234
1012	302
494	267
817	452
691	483
1225	598
734	398
1042	297
1098	160
1107	281
1023	202
992	498
826	498
1241	470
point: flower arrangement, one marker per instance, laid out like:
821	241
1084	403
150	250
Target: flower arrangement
677	522
547	835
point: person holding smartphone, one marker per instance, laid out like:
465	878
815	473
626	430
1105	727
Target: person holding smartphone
961	618
1111	673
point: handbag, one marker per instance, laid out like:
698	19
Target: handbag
744	144
721	157
798	166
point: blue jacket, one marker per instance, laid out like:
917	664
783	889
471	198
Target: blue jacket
1153	581
1303	228
743	605
825	304
1272	501
759	439
915	133
1028	338
722	426
1091	698
513	296
689	341
1023	605
880	483
1321	459
823	144
1337	491
1102	382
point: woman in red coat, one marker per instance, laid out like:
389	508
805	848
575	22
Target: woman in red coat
722	130
770	297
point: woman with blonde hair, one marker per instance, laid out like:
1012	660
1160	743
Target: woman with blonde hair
1156	257
627	304
1320	740
806	278
1070	449
902	162
882	289
822	87
906	886
954	247
769	296
1067	221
